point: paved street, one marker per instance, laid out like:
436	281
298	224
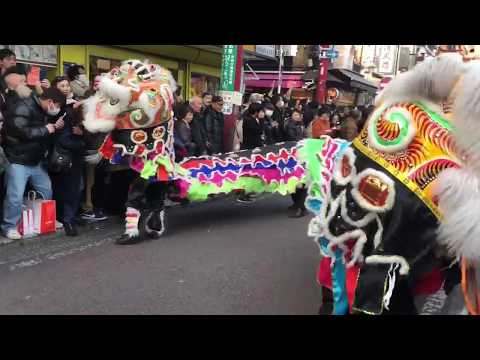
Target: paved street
220	257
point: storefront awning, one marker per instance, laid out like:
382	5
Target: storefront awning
312	75
344	76
356	80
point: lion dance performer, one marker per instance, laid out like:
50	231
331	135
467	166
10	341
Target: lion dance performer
406	188
134	107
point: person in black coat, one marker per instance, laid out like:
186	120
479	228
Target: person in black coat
199	132
253	133
270	127
294	128
295	132
183	133
278	116
26	135
67	184
214	124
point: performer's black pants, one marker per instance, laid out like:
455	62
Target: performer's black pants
298	198
146	195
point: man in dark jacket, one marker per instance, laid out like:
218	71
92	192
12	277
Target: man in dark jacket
294	127
214	123
199	132
295	132
253	127
26	137
278	116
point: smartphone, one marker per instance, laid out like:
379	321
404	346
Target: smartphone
33	76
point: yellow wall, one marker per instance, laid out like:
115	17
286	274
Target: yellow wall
204	69
123	54
80	54
72	53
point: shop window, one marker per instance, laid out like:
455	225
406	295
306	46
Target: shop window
100	65
200	83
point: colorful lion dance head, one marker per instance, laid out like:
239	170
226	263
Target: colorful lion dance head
136	95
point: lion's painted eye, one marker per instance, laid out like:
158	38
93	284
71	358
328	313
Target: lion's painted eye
114	102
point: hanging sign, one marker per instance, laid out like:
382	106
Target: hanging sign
229	65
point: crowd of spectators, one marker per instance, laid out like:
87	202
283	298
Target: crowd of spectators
44	145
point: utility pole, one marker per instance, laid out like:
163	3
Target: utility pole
322	76
280	66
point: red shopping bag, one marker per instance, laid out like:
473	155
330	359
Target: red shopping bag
44	214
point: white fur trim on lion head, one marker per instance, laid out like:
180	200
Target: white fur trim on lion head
459	201
111	89
466	115
91	122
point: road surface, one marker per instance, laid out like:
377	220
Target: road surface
219	257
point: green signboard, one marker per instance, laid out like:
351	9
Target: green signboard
229	62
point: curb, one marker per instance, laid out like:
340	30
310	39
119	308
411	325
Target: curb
60	233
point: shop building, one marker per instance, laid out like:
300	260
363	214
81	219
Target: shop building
196	68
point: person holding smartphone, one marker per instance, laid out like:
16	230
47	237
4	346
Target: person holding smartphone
68	183
26	135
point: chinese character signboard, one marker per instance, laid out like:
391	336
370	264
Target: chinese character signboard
387	58
368	56
229	65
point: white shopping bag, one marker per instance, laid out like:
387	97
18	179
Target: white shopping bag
26	225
